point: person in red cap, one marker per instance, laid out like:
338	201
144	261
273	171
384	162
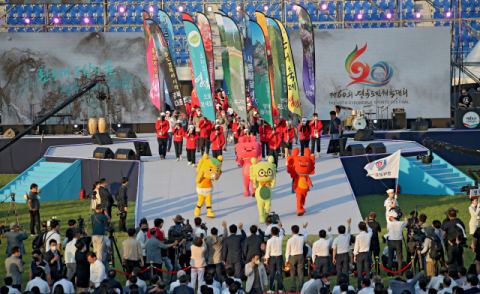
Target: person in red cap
304	130
162	125
317	128
192	138
205	129
274	141
218	140
178	134
263	130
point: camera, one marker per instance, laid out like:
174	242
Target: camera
182	233
466	189
81	225
274	217
398	210
50	221
426	159
203	226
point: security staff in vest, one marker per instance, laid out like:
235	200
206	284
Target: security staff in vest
395	233
122	203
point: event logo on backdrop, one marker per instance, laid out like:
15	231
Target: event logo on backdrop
471	119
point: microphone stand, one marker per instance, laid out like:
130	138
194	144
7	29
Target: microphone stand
387	110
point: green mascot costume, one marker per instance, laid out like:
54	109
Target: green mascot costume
262	175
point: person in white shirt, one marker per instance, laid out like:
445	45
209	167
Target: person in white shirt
230	274
422	287
312	275
38	282
197	230
177	282
321	251
395	237
209	282
447	286
365	285
212	272
337	290
390	202
97	270
9	282
66	284
142	238
340	248
474	215
294	256
54	235
270	225
140	283
70	250
361	252
274	258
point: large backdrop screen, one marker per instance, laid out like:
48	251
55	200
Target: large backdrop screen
407	66
39	71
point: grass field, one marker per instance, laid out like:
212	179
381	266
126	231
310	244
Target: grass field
433	206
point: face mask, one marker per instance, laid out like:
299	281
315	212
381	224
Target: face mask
36	258
257	262
144	229
53	248
327	283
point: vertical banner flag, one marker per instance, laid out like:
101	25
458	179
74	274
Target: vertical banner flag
280	92
236	67
262	22
262	80
165	63
308	44
152	63
206	32
385	168
186	16
223	43
200	69
167	30
292	85
247	44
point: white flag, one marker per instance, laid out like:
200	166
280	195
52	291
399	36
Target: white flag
385	168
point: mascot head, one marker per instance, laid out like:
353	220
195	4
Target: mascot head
248	148
304	165
211	167
263	172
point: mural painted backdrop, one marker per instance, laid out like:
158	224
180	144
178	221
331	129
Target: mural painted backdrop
42	70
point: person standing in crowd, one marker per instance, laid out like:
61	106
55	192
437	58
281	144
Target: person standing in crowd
294	256
95	195
54	234
38	262
256	274
453	229
390	202
39	282
106	197
335	130
70	250
321	251
374	242
288	135
361	251
153	249
99	222
217	140
427	246
205	130
192	143
476	248
197	262
235	129
274	142
97	270
232	249
224	122
304	131
122	203
280	125
341	117
264	130
66	285
34	208
474	210
9	285
171	124
196	122
274	258
162	125
132	252
214	250
317	128
465	100
178	134
253	243
340	248
15	239
14	268
54	260
142	239
395	232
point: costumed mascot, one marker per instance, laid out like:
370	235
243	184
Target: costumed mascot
263	176
248	148
209	169
300	168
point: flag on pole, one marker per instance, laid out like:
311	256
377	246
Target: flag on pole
385	168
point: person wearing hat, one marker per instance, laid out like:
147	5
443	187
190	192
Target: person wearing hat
218	140
390	202
191	137
196	122
162	125
171	122
395	233
305	131
178	134
288	135
317	128
427	245
188	108
263	130
205	130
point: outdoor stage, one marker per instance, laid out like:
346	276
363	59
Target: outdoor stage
167	188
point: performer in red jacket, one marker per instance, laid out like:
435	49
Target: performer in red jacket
192	138
317	128
218	140
235	129
162	125
178	134
281	124
263	131
304	130
205	129
288	135
274	141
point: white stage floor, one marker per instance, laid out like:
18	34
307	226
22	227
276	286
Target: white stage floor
167	188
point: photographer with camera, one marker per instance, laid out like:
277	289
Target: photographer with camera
395	232
100	221
199	228
432	250
34	208
271	221
122	204
105	197
455	229
181	231
217	139
14	238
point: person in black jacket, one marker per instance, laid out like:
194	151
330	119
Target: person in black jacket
452	254
253	243
83	267
232	249
114	283
122	203
105	197
183	287
54	260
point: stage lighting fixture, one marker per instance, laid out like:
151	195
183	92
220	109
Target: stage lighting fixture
151	9
418	15
209	8
101	96
75	126
375	121
180	8
239	8
389	15
119	125
56	20
86	20
448	14
360	16
265	7
121	9
27	21
324	6
294	7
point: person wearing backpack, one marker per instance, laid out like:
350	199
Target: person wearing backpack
39	241
432	250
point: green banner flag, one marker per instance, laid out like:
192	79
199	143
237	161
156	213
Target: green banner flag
223	44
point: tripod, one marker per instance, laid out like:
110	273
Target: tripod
110	130
14	205
83	131
115	248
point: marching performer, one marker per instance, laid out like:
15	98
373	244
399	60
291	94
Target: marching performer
178	134
192	138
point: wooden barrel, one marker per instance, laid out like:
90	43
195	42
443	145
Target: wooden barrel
92	125
102	125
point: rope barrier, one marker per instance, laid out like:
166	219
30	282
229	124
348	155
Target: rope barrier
396	272
125	274
363	272
330	273
172	272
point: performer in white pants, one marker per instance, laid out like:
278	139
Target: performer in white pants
390	202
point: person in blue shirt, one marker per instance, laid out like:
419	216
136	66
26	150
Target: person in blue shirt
100	221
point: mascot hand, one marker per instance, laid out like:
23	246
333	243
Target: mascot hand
199	177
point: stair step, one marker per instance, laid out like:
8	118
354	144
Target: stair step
15	186
54	164
457	184
445	175
48	169
451	180
435	161
29	182
17	192
18	198
433	166
36	178
42	174
439	171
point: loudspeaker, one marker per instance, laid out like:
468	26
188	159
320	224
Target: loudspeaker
355	149
419	126
376	148
101	139
337	146
364	135
10	133
142	148
103	153
126	133
125	154
399	120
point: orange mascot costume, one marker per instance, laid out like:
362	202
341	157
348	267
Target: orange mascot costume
300	168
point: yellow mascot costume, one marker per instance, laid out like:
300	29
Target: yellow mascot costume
209	169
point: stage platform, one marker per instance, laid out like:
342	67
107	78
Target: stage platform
167	188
